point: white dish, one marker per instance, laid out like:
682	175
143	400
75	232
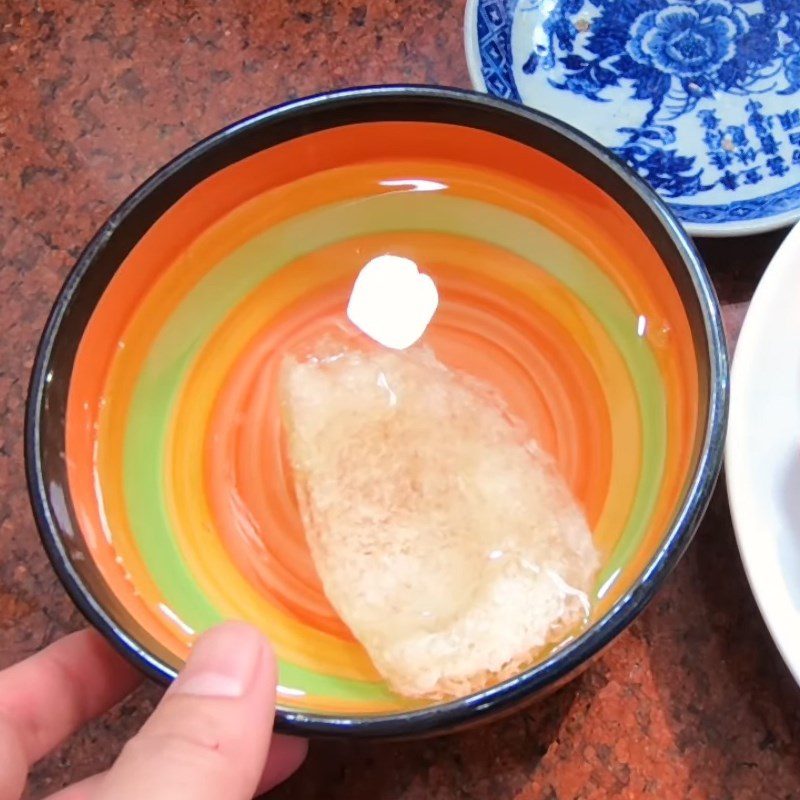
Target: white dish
762	459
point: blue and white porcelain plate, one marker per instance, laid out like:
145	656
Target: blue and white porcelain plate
701	97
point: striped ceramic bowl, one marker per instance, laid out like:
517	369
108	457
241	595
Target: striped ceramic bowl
155	455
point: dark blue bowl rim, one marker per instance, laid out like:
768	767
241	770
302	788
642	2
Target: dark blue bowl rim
565	662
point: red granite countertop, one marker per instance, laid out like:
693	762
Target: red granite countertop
691	702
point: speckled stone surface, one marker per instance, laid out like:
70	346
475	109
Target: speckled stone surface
691	702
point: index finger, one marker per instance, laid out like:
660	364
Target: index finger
50	695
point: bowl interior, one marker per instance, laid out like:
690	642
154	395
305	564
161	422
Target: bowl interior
161	480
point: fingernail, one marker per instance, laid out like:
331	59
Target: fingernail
222	662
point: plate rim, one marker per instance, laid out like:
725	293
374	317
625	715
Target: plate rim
709	230
781	270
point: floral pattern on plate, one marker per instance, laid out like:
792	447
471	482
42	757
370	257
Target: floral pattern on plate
701	97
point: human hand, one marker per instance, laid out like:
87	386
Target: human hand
209	739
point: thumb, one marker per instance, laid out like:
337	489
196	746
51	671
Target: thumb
209	737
